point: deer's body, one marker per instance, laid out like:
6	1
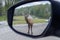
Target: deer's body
29	21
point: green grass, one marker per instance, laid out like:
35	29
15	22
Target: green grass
39	20
21	20
3	18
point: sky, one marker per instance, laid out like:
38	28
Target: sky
33	3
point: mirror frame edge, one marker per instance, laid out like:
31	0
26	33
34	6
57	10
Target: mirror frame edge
10	19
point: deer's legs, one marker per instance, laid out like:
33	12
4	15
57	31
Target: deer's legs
28	28
31	29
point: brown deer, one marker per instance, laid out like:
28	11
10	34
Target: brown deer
29	21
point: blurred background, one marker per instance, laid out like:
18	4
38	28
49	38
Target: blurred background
4	5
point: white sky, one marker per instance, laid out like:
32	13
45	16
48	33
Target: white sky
33	3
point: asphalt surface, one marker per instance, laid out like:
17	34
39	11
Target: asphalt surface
37	28
7	34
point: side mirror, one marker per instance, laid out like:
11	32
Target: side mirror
32	18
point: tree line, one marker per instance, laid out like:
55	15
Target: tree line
40	11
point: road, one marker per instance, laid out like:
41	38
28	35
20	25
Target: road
7	34
37	28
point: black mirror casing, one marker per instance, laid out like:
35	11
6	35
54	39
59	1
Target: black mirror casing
53	28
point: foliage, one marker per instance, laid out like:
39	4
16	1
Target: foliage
3	9
40	11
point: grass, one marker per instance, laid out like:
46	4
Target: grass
2	18
21	20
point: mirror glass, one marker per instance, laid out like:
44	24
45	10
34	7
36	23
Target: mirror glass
32	18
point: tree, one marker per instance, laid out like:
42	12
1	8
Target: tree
0	7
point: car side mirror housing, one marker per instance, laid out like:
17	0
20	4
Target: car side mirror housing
45	14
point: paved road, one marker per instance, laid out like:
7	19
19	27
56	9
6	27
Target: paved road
37	28
7	34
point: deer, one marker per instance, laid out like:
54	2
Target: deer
29	21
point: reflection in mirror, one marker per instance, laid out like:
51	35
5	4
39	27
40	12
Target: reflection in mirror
32	18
